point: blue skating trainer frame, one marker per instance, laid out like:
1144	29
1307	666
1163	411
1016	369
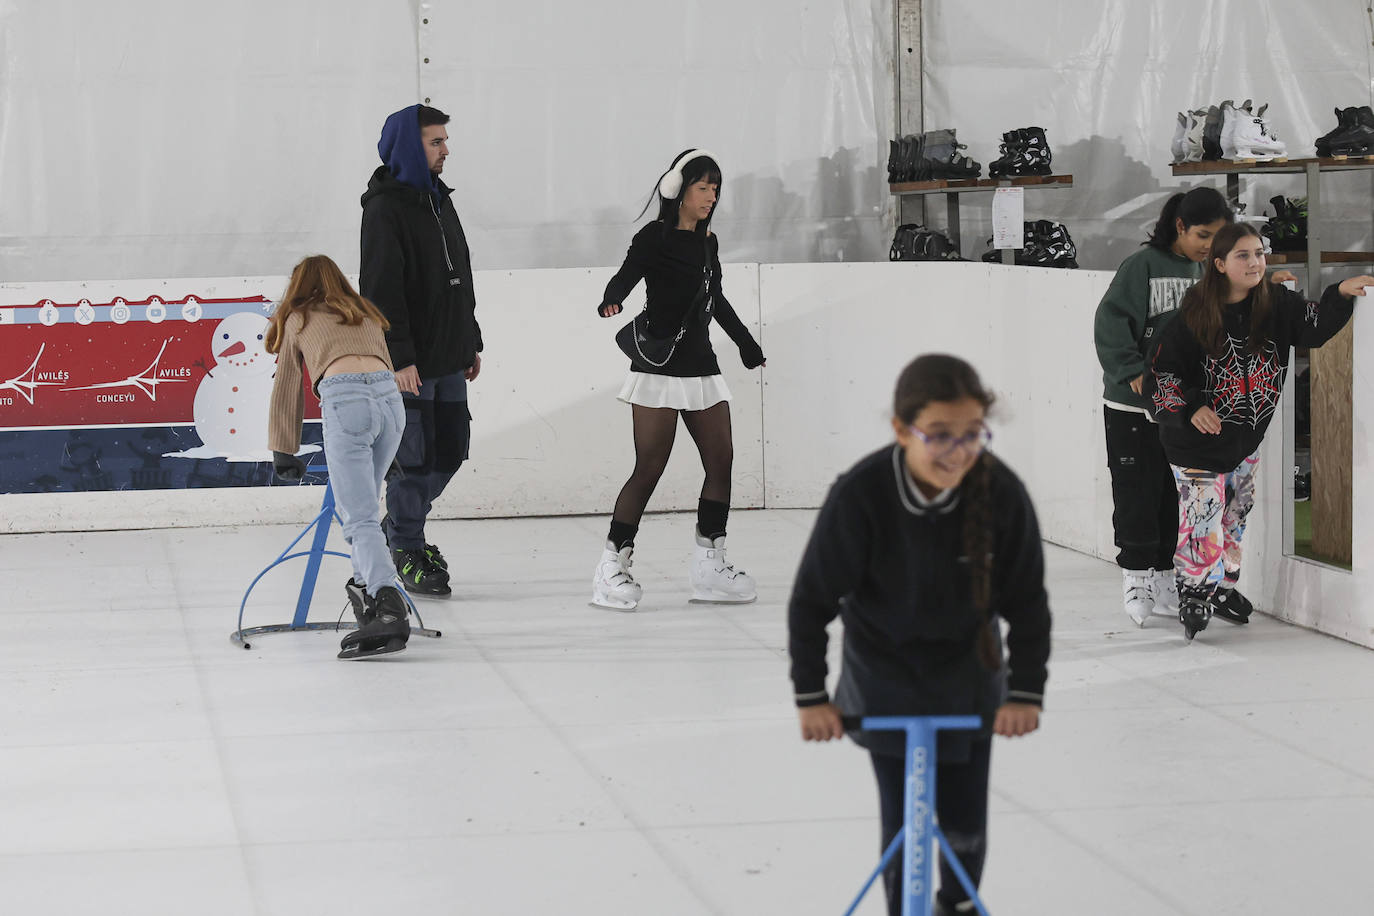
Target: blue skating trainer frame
918	865
321	524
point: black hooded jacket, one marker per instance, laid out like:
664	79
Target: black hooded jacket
417	269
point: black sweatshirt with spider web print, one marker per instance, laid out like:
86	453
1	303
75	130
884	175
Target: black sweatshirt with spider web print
1242	388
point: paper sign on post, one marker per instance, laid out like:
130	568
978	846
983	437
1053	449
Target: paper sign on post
1008	218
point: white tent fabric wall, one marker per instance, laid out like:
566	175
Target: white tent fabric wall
146	139
1106	78
566	114
138	139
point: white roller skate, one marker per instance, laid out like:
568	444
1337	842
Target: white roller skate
612	586
714	580
1138	594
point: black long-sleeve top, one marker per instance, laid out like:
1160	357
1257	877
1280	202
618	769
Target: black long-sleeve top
671	267
1242	388
891	565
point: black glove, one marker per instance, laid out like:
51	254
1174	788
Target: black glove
288	467
751	354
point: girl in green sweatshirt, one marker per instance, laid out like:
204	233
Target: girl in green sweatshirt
1143	296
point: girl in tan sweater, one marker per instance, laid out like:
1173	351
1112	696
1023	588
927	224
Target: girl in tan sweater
323	324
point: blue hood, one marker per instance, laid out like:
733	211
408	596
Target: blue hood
402	151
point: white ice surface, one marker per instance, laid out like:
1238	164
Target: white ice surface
547	756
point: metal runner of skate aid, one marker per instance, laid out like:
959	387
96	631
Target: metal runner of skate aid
321	524
918	865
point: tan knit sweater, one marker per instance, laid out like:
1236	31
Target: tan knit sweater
323	340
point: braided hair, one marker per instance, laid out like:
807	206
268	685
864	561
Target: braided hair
941	377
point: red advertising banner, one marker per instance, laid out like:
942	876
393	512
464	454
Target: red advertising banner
146	362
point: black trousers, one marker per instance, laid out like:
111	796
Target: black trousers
1144	493
433	447
961	804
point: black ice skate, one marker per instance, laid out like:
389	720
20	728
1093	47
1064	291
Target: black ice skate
1355	137
1230	605
418	573
1024	152
1287	228
941	149
1211	133
382	628
357	600
1194	610
1345	117
1010	148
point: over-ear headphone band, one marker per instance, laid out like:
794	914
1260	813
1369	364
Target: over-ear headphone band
670	185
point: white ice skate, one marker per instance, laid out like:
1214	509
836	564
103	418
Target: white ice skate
1164	587
613	587
1249	136
714	580
1179	145
1192	136
1138	594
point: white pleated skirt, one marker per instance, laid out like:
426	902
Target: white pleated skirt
696	392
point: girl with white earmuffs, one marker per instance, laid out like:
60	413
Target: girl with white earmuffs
678	258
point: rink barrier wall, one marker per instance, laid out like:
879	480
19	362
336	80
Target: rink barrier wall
550	438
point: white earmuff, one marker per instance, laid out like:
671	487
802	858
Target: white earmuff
670	185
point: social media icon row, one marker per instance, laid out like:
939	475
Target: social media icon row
84	312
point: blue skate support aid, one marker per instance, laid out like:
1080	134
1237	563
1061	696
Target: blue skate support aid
317	552
918	865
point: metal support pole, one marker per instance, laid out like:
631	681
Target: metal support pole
910	108
1314	230
920	827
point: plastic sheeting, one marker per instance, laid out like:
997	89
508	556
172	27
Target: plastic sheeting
1106	78
146	139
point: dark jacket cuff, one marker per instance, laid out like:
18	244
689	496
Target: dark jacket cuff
811	698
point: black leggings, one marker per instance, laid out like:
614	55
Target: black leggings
655	429
961	804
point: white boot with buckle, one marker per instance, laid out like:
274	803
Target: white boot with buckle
714	579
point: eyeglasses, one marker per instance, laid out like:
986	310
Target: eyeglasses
942	444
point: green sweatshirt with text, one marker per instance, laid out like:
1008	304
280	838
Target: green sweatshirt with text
1145	293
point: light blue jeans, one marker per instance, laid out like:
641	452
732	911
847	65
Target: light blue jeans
363	421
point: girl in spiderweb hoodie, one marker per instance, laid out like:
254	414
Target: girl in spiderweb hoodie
1215	382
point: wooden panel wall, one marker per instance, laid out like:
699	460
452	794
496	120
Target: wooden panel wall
1331	447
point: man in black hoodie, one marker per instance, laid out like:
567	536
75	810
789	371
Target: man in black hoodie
416	268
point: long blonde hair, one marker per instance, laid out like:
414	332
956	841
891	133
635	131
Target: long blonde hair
317	284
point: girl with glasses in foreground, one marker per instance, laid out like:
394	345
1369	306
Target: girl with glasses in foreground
920	548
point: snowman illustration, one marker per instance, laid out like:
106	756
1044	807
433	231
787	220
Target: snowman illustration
231	403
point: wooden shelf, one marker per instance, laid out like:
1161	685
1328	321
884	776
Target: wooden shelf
1227	167
1328	257
964	185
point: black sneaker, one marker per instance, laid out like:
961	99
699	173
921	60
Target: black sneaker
1230	604
418	574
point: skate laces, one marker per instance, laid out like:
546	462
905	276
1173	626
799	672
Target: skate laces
623	561
1138	593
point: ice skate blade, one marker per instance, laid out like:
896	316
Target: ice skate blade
699	597
431	596
610	604
357	653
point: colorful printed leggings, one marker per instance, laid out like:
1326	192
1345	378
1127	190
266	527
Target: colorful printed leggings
1212	509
